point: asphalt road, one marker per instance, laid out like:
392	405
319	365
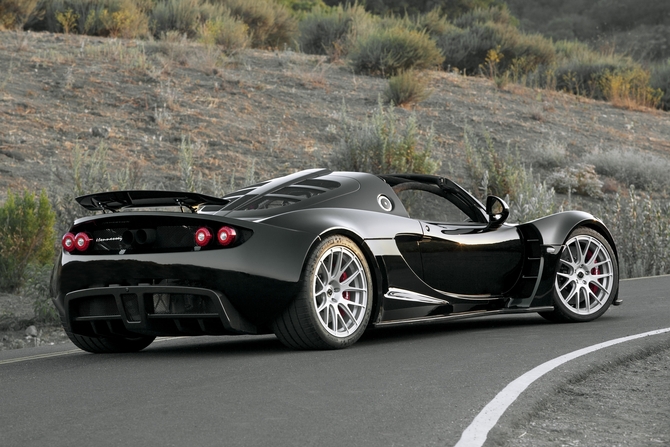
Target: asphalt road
410	386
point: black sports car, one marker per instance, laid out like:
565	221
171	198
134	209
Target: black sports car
317	257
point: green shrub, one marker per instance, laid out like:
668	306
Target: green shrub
331	31
14	14
271	25
406	88
225	31
26	237
630	88
452	8
67	20
433	22
389	51
299	8
480	16
660	79
607	76
122	18
567	50
472	50
183	16
379	146
530	52
116	18
582	78
582	71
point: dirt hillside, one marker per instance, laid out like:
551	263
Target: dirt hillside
269	113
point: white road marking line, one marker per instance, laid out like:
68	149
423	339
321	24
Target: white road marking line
61	353
39	356
475	434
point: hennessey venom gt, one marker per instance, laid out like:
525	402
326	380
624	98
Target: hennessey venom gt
317	257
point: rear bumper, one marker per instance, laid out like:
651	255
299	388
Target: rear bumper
151	310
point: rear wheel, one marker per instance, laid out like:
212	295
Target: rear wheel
333	306
106	345
587	278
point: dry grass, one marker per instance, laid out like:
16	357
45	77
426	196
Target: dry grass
405	89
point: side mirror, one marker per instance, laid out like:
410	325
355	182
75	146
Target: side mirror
497	210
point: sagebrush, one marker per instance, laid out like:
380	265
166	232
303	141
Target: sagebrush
26	236
640	226
332	31
406	88
387	52
383	144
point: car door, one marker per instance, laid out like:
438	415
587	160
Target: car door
466	260
459	256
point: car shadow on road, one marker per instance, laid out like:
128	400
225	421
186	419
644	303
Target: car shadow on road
498	325
269	344
217	345
384	334
246	345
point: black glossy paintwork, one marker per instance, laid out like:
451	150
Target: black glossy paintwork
115	200
477	263
408	245
460	267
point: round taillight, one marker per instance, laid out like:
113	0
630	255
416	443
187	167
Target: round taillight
82	241
68	242
226	236
202	236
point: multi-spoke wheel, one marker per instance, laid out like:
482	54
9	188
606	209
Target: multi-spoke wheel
333	306
587	278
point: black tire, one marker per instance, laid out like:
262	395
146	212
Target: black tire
108	345
587	278
332	308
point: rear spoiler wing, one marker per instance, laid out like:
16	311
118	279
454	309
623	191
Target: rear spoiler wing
116	200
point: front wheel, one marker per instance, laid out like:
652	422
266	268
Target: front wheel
587	278
333	306
108	345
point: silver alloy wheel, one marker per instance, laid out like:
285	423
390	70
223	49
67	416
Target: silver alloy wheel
340	291
585	276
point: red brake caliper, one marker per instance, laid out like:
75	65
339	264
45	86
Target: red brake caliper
345	295
594	271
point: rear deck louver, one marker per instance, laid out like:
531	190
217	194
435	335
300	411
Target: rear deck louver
289	195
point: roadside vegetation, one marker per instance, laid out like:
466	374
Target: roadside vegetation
382	144
473	37
388	39
553	180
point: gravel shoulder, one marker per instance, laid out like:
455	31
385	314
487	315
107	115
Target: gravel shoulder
18	328
616	398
